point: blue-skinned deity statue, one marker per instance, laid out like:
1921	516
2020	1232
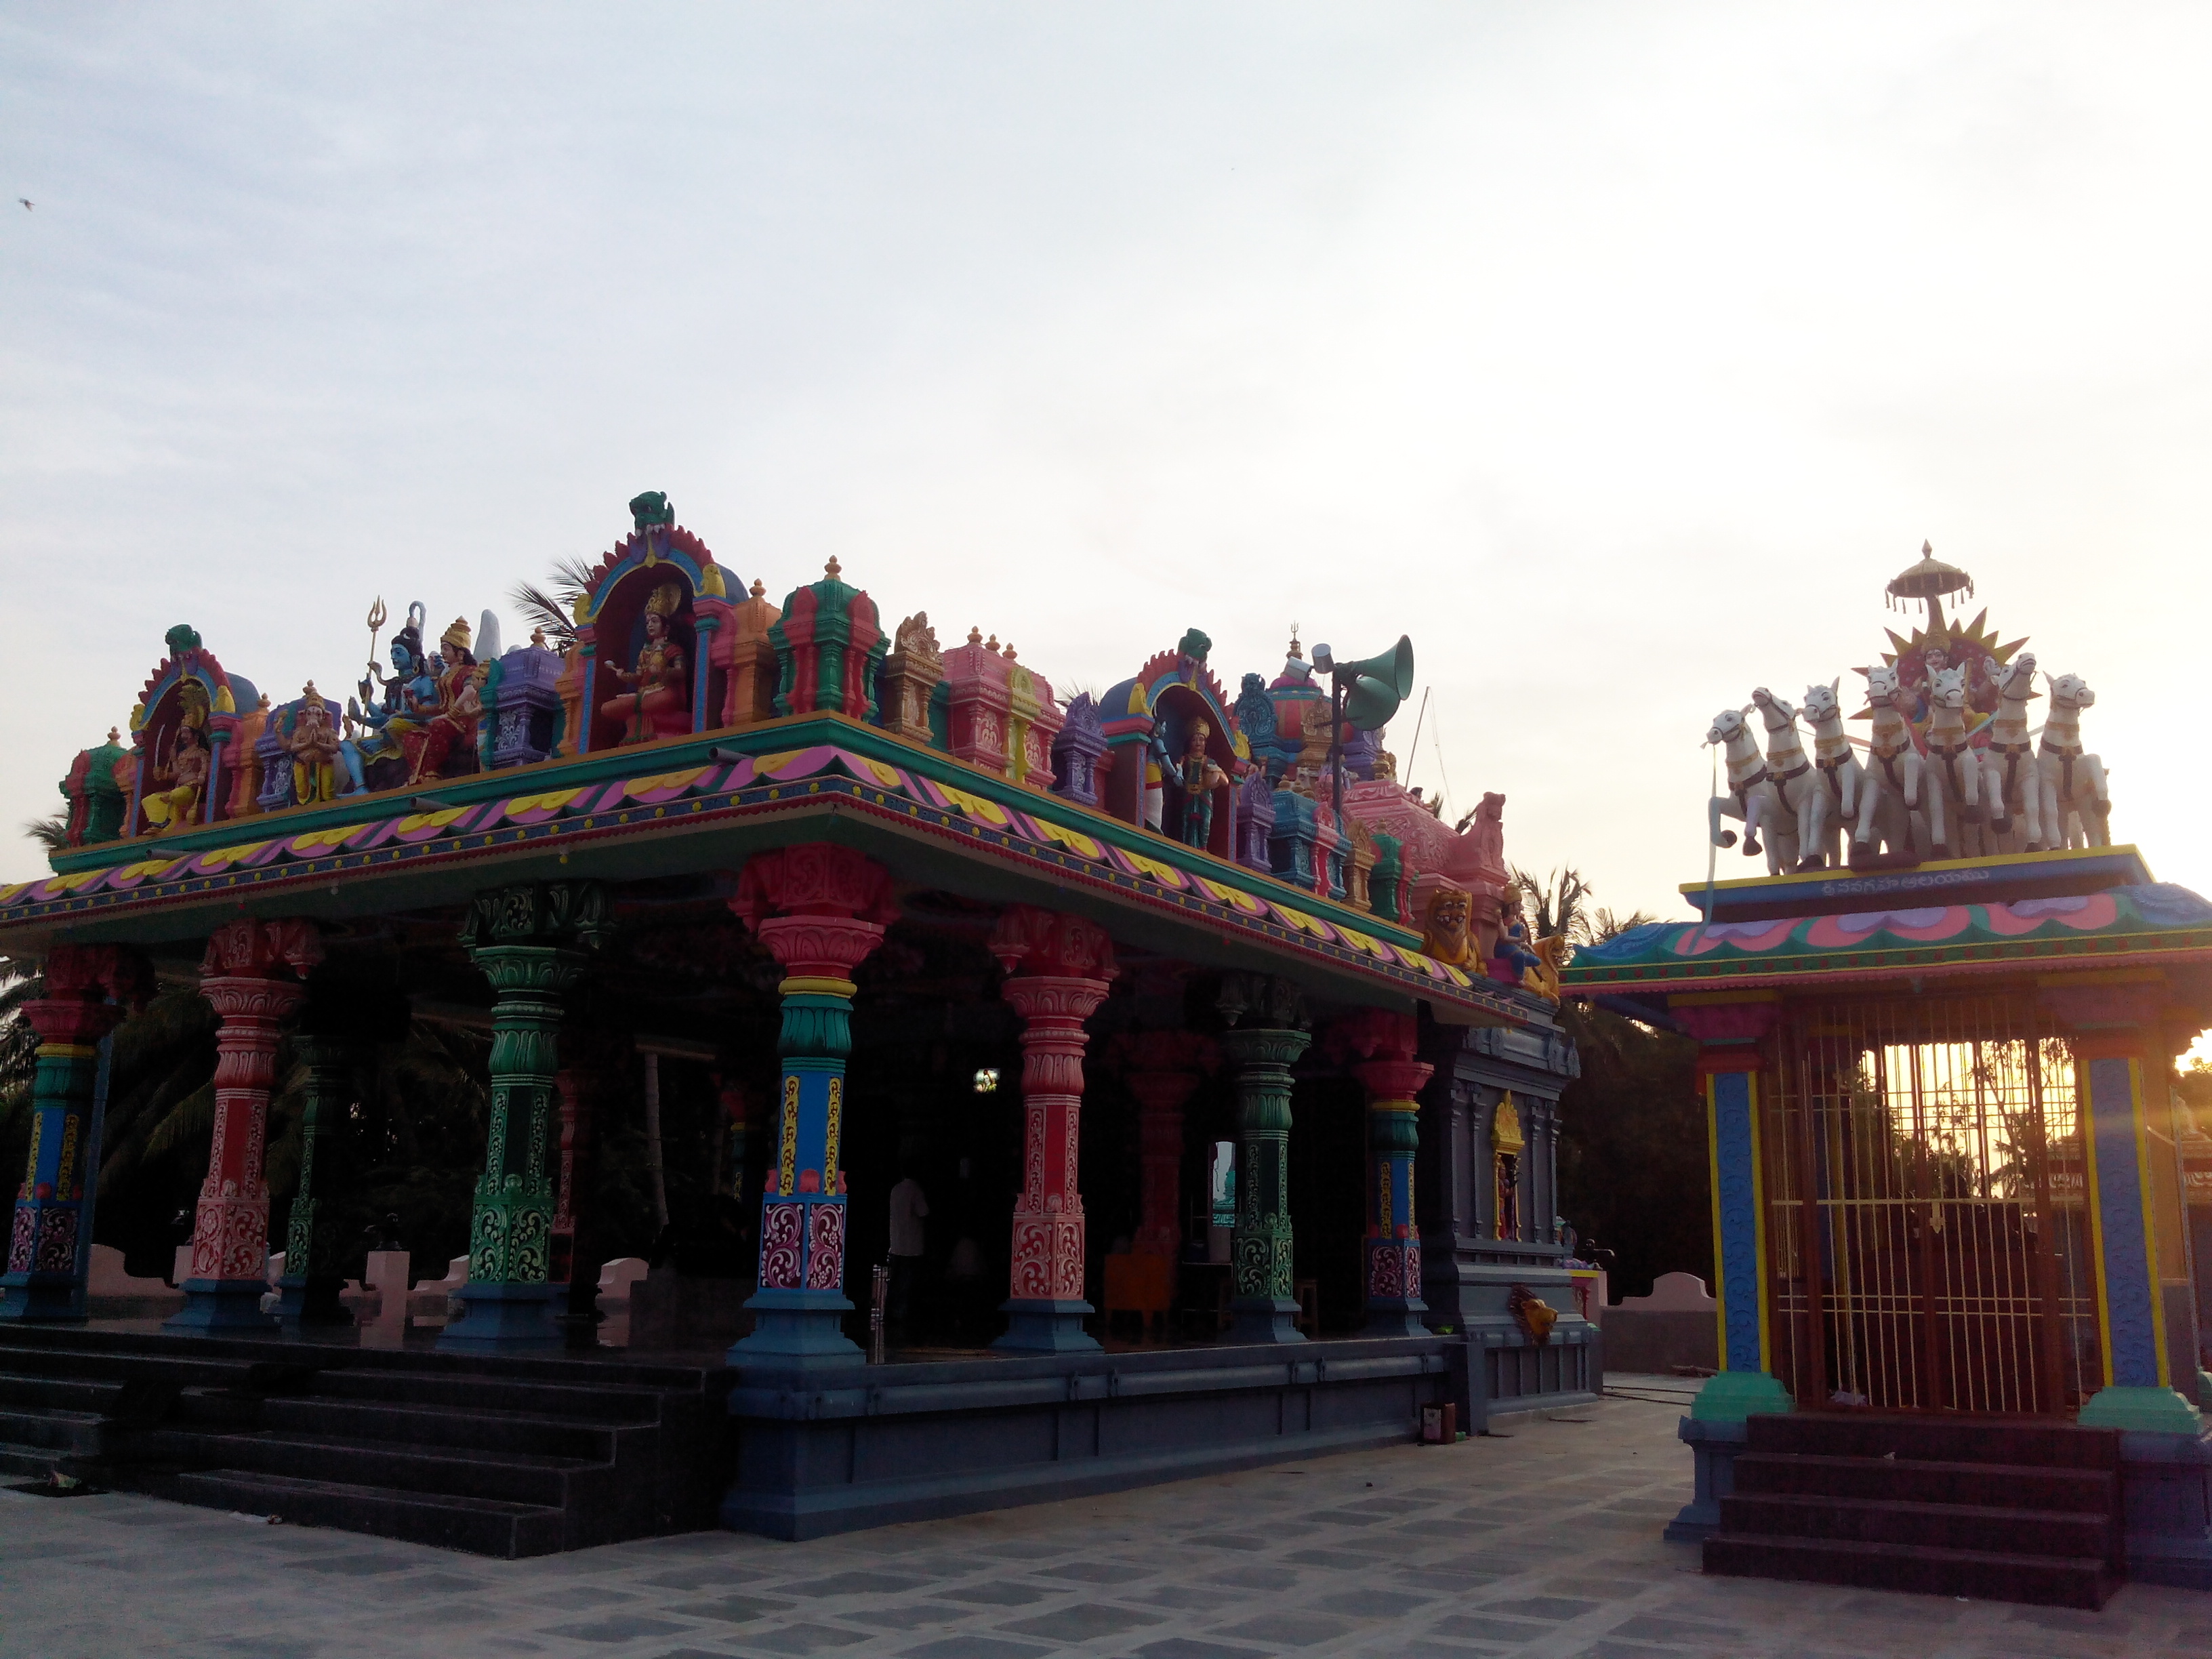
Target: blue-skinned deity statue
387	709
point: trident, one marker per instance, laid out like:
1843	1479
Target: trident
376	618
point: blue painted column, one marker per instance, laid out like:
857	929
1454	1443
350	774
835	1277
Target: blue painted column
2136	1221
48	1243
821	909
1730	1078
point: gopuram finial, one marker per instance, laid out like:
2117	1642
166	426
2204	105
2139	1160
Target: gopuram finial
1295	653
830	568
975	636
1008	654
759	588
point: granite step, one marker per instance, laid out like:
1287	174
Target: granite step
483	1526
1922	1569
1994	1485
2012	1442
2065	1533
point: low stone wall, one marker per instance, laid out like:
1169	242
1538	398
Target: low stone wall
861	1446
1677	1326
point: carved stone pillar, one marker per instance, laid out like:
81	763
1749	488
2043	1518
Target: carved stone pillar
821	909
1392	1078
250	977
580	1085
1263	1307
308	1294
1164	1071
530	941
47	1245
1058	969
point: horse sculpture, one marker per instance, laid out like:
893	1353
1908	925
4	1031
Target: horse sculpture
1804	798
1952	776
1854	798
1893	758
2015	781
1751	797
2077	799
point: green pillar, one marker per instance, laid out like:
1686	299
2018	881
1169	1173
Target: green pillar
308	1292
1263	1307
530	942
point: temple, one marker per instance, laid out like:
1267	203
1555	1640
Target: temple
1228	1064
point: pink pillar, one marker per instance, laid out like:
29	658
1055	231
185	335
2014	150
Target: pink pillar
251	976
1058	970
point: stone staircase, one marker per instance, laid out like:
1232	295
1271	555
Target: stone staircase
503	1457
2014	1510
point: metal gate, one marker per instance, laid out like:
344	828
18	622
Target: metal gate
1927	1246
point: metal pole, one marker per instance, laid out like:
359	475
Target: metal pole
652	1137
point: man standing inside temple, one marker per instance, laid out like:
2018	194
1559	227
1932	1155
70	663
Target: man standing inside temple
908	1209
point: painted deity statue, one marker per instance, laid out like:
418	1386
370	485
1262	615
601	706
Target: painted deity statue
452	719
314	747
1160	761
654	697
1199	778
376	759
187	776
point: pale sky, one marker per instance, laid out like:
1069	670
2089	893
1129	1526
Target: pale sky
1618	354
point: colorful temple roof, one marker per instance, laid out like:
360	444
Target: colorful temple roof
668	727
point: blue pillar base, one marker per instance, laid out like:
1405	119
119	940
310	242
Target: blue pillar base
213	1305
41	1299
311	1302
1713	1446
1396	1315
1040	1325
796	1329
1263	1319
503	1319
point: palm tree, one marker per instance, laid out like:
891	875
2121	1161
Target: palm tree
554	610
1555	906
52	833
1606	924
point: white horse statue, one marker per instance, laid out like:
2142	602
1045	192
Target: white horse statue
1751	797
1790	770
1893	760
2014	783
1854	798
2077	798
1952	776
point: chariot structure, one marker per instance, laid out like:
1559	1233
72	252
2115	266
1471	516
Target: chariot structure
1068	962
1938	1047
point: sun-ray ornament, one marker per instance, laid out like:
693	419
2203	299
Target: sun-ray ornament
1971	643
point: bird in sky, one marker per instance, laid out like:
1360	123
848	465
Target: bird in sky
26	202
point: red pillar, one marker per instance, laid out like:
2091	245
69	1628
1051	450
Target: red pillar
1164	1071
1058	970
251	976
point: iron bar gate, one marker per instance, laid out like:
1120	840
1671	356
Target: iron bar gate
1927	1244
